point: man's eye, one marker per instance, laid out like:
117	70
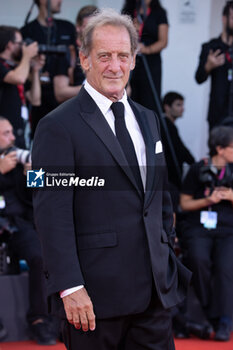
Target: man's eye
124	57
104	57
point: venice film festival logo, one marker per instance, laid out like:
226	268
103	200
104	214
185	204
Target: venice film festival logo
38	178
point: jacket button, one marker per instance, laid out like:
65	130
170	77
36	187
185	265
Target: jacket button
46	273
145	214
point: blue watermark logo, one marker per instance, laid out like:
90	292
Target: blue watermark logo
35	178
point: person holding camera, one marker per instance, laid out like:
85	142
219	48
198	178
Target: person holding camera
18	62
207	230
47	30
24	242
66	86
216	62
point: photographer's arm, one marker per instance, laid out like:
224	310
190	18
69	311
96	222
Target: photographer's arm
209	60
62	89
159	45
214	59
188	203
20	74
34	94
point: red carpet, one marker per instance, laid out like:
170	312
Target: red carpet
29	345
187	344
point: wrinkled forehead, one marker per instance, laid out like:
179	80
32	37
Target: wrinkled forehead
110	35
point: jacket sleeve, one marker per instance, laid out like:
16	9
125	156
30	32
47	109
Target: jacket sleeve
201	74
53	207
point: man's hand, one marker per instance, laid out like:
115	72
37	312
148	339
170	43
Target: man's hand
79	310
38	62
214	60
8	163
31	50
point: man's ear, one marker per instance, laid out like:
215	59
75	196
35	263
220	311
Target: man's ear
166	108
132	65
84	61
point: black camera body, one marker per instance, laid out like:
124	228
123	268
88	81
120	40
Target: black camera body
49	49
209	177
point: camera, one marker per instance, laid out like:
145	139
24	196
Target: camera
48	49
209	177
23	155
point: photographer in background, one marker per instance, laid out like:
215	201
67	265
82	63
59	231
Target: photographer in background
16	59
65	86
216	61
207	233
24	242
59	32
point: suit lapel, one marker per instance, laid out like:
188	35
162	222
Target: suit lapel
95	119
151	174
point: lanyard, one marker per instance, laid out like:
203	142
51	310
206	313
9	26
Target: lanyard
142	22
222	173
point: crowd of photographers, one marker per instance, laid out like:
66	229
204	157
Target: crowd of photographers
39	68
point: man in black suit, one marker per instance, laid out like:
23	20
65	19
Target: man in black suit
107	250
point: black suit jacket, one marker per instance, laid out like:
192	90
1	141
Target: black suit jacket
114	240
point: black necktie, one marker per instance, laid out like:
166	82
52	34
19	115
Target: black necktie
125	140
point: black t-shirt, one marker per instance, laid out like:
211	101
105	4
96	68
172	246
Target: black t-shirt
193	186
139	75
10	104
151	29
62	33
220	85
182	153
151	26
61	68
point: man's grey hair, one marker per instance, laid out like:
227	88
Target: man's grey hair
108	17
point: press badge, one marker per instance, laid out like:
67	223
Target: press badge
209	219
24	112
2	202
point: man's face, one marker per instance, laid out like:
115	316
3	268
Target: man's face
110	61
16	53
56	6
7	137
177	109
226	152
228	23
80	29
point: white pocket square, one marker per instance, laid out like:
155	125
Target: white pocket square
158	147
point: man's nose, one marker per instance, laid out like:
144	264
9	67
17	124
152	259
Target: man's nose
115	64
12	137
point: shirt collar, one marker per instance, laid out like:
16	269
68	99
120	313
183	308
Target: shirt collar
102	102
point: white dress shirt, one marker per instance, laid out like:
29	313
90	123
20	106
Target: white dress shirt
104	105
